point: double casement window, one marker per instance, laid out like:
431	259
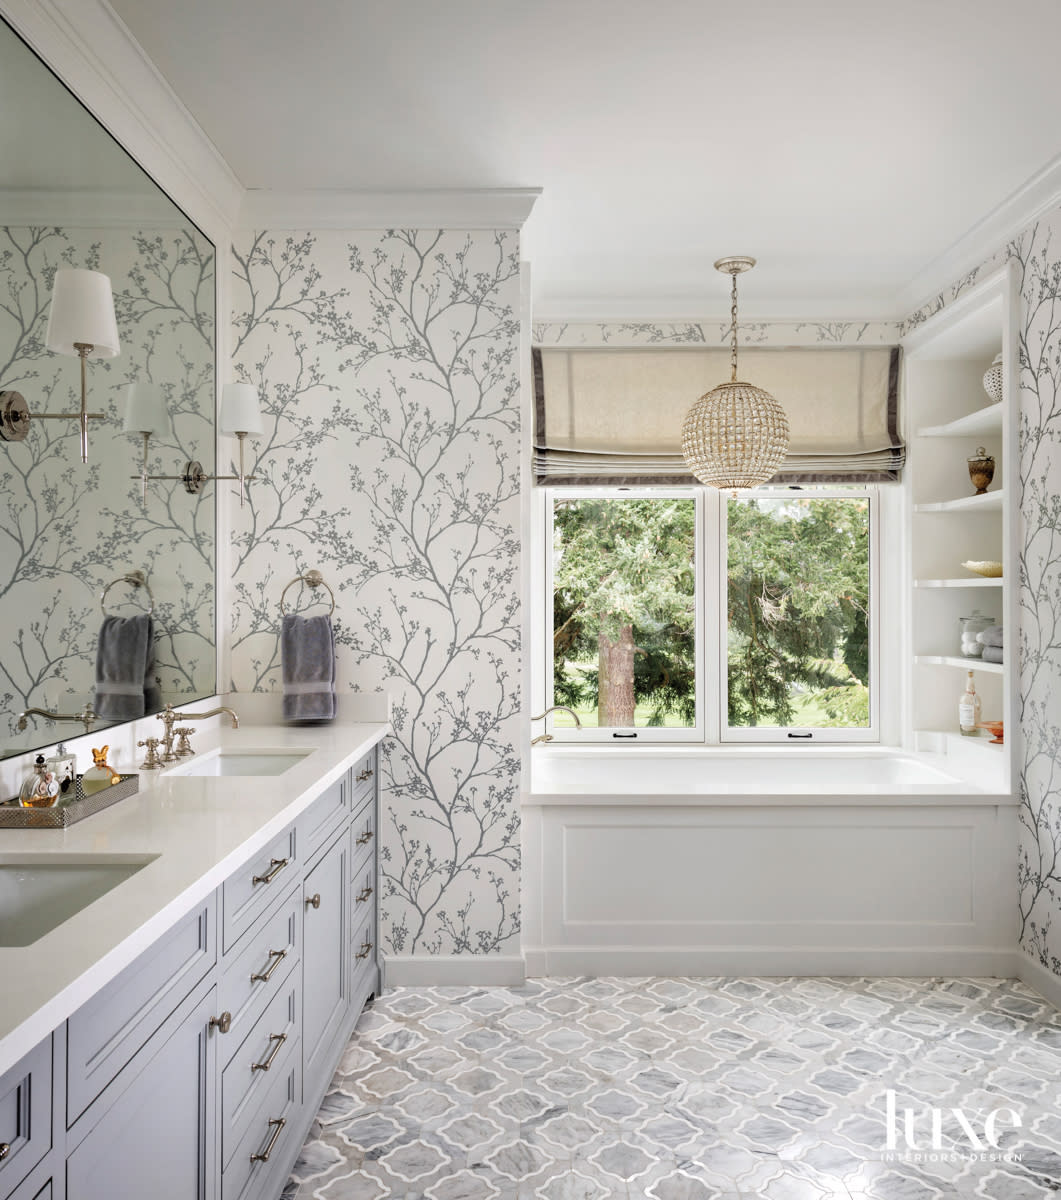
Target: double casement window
685	615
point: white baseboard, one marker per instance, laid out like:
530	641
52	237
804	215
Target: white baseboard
918	962
454	970
1045	982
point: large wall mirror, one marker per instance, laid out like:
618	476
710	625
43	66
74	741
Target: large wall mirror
69	532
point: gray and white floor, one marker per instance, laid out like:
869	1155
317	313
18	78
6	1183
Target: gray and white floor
688	1089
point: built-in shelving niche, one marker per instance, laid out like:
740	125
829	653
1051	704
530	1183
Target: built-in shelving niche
948	416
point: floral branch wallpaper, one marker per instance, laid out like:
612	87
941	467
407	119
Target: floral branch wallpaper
388	363
66	529
1037	253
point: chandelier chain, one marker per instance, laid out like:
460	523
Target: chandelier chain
733	328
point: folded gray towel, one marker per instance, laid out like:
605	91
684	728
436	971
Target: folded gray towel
125	664
993	654
991	636
307	652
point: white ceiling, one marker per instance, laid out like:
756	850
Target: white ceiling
845	144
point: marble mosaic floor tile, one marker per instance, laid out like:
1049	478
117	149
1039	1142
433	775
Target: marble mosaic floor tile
693	1089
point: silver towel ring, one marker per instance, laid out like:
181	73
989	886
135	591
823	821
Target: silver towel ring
135	579
312	579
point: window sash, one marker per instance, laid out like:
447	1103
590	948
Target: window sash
711	595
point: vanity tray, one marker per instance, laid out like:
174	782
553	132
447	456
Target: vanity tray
82	806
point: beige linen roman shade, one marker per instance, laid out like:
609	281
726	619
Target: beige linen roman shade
614	416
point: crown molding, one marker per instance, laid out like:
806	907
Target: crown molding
449	208
92	51
1021	208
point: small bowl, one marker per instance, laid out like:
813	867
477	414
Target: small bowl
990	570
996	729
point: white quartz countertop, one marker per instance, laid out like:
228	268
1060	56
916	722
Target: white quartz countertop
201	829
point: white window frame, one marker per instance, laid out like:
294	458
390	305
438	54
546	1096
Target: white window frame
796	734
711	726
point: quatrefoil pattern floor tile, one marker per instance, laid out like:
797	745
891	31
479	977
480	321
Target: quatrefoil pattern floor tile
691	1089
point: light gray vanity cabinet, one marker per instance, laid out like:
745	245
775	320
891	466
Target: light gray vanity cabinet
26	1133
152	1132
325	959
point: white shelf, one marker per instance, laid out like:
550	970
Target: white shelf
975	424
975	581
988	502
955	660
956	742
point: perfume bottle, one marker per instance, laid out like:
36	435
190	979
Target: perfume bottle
969	710
63	765
40	789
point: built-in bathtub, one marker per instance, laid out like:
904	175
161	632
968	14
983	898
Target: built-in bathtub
850	860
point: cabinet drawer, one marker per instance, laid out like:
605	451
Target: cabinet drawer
362	949
252	889
253	1172
25	1116
363	891
257	970
105	1033
362	838
264	1054
323	817
363	776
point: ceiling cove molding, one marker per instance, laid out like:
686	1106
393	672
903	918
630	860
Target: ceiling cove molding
1031	201
92	51
450	208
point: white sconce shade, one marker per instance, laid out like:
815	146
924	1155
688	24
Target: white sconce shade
145	410
240	410
82	312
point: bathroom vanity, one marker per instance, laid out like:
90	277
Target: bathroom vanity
175	1038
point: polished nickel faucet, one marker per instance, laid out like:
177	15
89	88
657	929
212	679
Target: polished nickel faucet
548	737
87	717
169	718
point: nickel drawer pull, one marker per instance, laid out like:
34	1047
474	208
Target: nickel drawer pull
365	951
278	1039
277	1127
363	895
278	957
5	1150
367	773
365	838
276	865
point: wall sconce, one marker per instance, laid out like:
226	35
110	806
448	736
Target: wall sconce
240	415
82	323
145	414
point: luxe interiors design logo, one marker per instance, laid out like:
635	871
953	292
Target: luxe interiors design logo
947	1134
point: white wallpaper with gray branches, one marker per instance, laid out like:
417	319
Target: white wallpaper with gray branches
66	529
388	366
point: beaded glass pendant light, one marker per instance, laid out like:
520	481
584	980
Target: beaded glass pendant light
735	436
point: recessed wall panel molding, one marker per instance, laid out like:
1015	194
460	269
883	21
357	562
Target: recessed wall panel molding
388	367
1037	251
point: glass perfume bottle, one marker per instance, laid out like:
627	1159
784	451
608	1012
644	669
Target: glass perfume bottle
63	765
969	710
40	789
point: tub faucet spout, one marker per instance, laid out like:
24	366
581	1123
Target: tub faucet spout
548	737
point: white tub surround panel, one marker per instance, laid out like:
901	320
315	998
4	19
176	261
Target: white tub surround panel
200	829
768	889
388	363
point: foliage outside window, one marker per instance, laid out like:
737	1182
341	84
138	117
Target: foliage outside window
787	649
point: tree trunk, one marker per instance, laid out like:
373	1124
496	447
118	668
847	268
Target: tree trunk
615	661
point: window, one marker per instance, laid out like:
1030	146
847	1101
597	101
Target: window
683	615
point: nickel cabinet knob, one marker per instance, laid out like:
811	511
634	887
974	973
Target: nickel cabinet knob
223	1022
313	901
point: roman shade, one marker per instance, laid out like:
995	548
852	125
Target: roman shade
614	416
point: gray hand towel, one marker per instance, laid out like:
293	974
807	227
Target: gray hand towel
307	652
993	654
125	663
991	636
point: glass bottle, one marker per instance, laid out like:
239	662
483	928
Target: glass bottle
969	710
40	789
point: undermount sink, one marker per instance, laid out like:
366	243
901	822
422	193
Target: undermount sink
40	892
241	762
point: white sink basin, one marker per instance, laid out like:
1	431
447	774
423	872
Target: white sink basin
241	762
40	892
